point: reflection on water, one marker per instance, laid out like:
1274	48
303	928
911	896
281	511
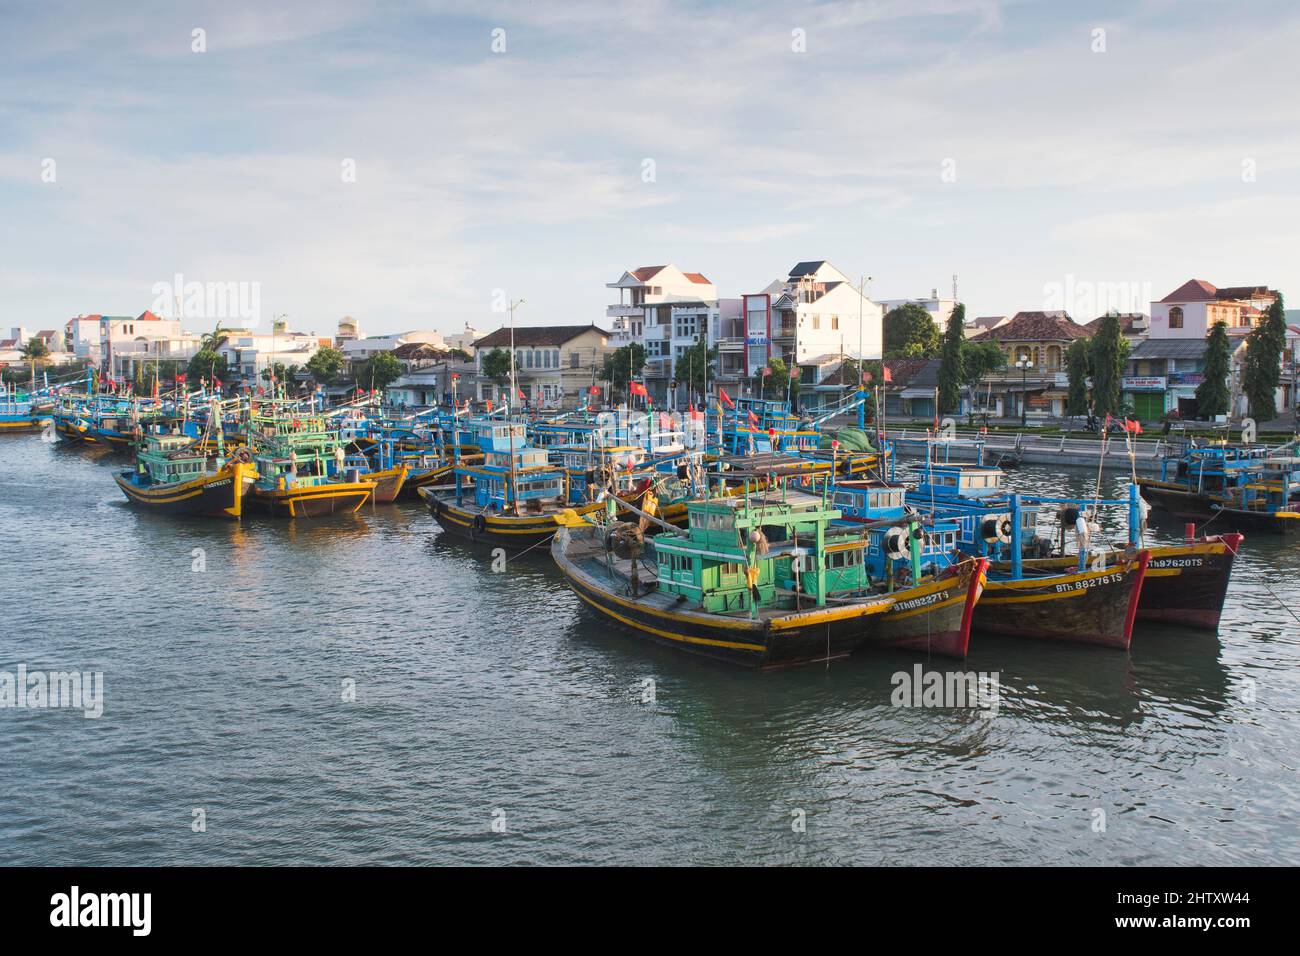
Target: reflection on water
479	691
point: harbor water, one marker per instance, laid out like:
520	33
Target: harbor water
363	689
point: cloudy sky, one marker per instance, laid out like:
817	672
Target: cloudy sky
1032	149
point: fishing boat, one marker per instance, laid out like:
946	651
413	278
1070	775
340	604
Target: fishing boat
295	458
174	475
1238	488
1091	599
761	584
517	490
19	413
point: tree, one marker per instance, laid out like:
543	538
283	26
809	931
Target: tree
910	333
776	383
379	371
497	366
35	351
1212	395
326	365
460	355
979	359
695	365
950	370
1263	371
1076	364
206	364
1107	354
213	340
622	365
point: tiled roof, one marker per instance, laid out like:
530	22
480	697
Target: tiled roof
1126	320
1193	290
416	350
647	272
147	316
536	335
988	321
1035	327
8	343
1244	292
697	278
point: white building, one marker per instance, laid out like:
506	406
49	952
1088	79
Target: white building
666	311
940	309
116	343
1191	310
248	354
358	350
464	340
815	311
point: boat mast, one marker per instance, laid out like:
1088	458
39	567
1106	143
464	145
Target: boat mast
514	390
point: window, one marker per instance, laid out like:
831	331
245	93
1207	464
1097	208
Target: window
573	360
835	321
816	321
1176	317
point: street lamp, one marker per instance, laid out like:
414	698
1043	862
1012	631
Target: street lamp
1024	365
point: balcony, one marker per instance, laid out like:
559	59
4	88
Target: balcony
622	311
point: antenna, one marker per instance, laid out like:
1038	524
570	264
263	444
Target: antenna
954	288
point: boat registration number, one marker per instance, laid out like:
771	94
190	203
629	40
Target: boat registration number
1089	583
916	602
1177	563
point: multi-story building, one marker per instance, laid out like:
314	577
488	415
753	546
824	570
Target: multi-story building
813	313
940	309
554	364
248	354
1034	382
116	344
666	311
358	350
349	330
1191	310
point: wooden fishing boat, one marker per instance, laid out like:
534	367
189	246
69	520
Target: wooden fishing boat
517	490
1185	584
1083	607
294	458
173	476
18	415
761	585
1246	488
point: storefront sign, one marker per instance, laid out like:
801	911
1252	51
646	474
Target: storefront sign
1148	383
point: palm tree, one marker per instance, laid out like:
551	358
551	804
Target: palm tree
36	352
211	341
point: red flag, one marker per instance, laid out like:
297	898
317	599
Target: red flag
767	370
1133	426
594	390
753	419
886	377
665	421
866	378
722	394
180	378
522	396
636	388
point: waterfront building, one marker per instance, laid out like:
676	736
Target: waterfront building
1034	381
248	354
940	309
555	365
358	350
665	311
815	311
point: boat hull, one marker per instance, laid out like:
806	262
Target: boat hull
816	635
388	483
1185	584
312	501
517	531
220	495
1200	507
1089	607
934	617
21	424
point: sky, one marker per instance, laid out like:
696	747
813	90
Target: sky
417	165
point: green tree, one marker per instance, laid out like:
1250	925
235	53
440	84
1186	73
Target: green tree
1263	369
775	383
213	340
1076	364
622	365
326	365
206	364
1212	395
497	366
1107	354
979	359
910	333
35	351
695	366
460	355
950	370
379	371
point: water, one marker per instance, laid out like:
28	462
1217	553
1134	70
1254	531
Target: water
485	696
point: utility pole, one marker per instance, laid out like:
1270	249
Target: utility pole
510	425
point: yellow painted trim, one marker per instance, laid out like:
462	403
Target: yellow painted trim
684	638
1028	598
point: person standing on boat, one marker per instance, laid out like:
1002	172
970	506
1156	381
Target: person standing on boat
339	459
293	468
